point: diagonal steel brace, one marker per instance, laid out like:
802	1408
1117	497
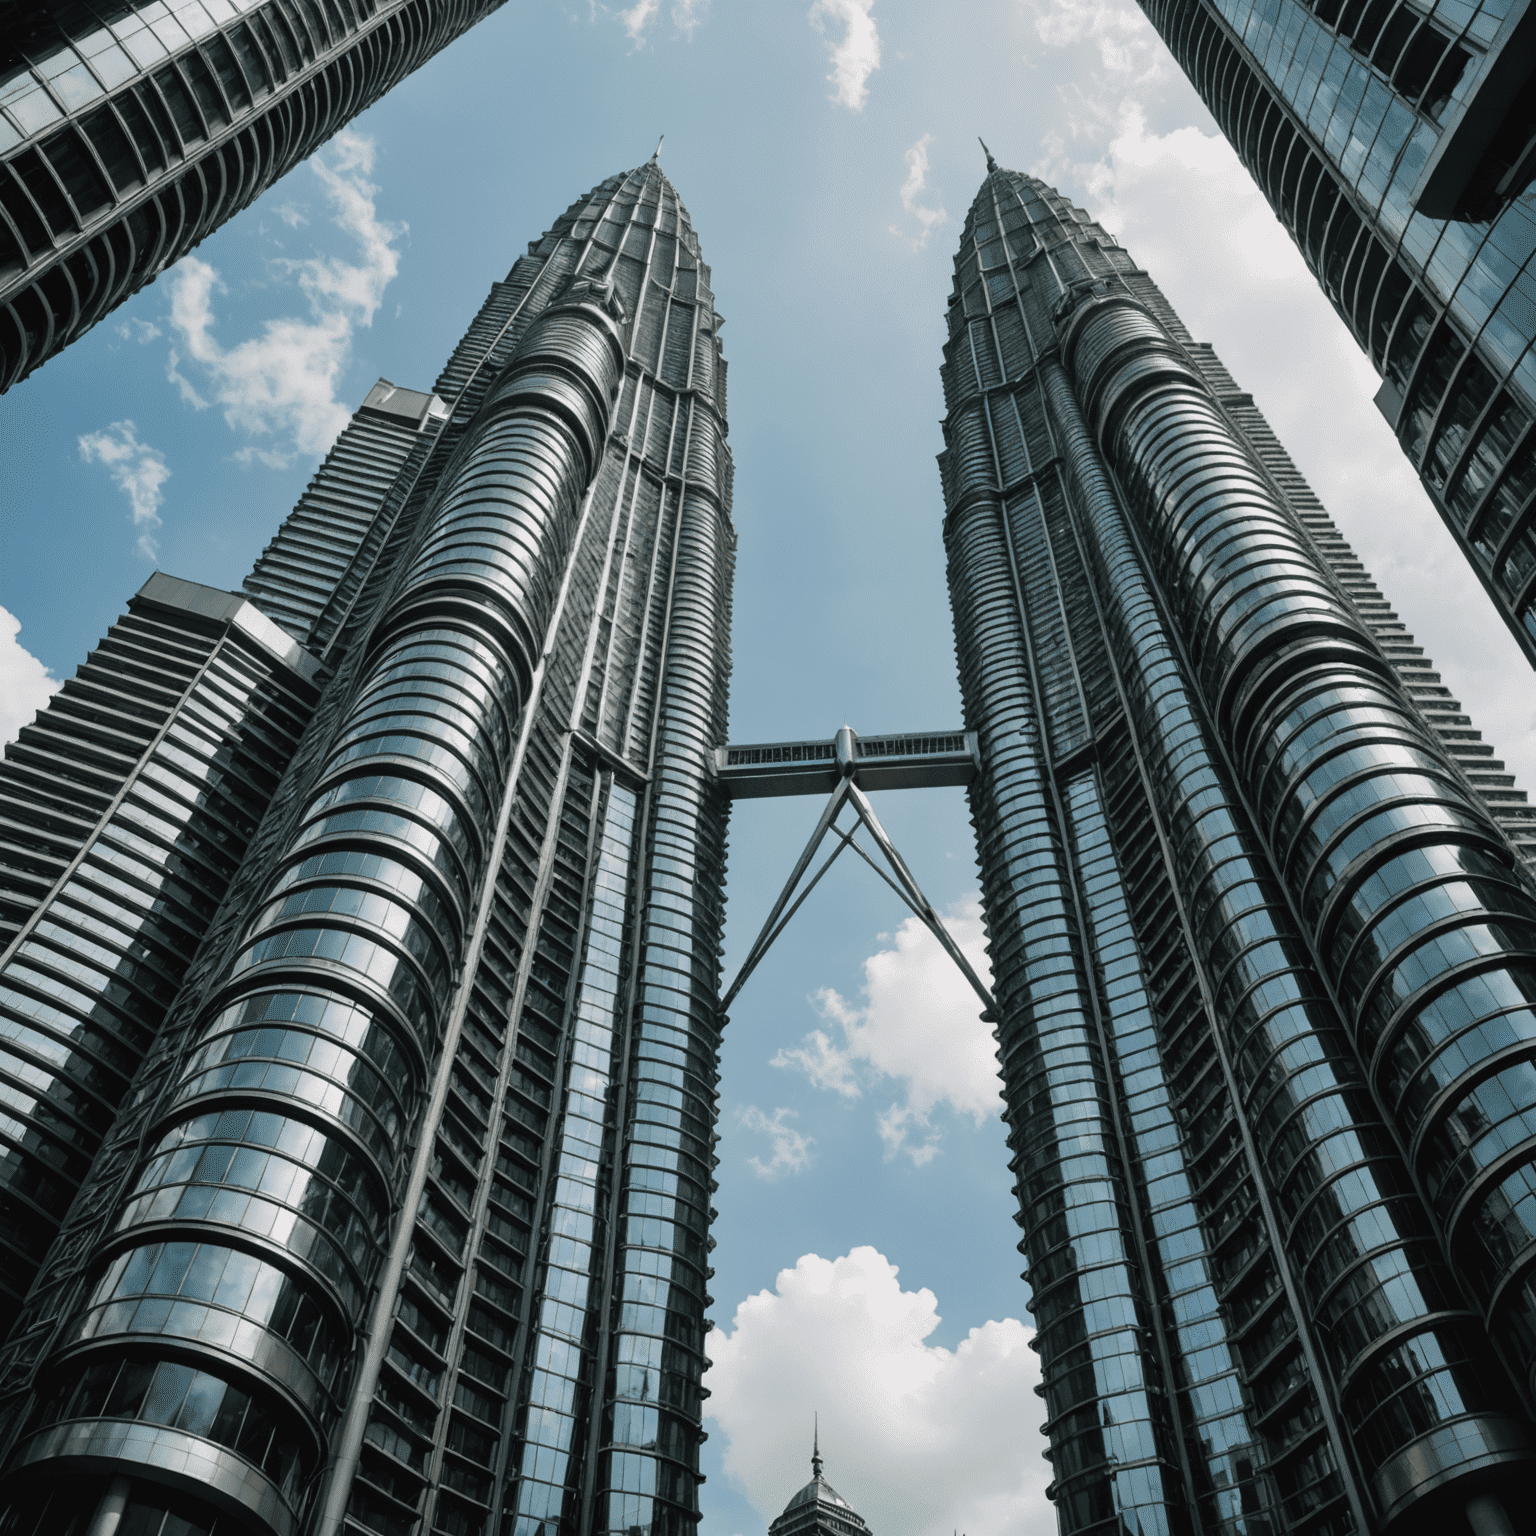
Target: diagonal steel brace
903	884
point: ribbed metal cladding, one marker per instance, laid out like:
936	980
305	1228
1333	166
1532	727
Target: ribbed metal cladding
493	1403
130	132
1103	1385
266	1194
1364	1268
654	1334
1259	1001
414	1179
1423	920
1315	1361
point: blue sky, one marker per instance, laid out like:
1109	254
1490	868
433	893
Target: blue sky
866	1265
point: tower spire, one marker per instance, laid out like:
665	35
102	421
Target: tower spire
656	153
992	164
816	1446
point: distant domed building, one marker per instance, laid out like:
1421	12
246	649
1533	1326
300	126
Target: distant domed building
819	1509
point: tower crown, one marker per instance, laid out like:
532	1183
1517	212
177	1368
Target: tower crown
818	1509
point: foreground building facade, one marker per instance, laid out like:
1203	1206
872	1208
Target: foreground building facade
1263	938
1396	143
362	936
130	132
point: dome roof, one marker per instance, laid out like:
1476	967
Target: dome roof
819	1509
818	1491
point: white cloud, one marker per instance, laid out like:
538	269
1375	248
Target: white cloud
639	16
137	470
919	1439
1125	40
1116	61
637	19
25	683
790	1149
1188	212
141	331
827	1065
687	14
912	189
914	996
280	387
857	55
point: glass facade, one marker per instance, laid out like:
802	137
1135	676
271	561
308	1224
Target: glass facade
130	131
1397	144
401	1220
1260	917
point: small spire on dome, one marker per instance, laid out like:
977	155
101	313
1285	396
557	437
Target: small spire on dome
992	164
656	153
816	1446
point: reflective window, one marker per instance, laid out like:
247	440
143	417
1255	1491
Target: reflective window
181	1288
197	1402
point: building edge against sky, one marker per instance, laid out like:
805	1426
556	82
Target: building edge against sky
1263	936
130	132
1397	145
401	1205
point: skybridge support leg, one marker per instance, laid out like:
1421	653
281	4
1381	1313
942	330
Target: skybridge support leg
769	932
903	884
920	903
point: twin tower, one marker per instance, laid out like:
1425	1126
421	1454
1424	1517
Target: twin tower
360	995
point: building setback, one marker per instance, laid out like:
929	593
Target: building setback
1396	142
362	943
130	131
1263	937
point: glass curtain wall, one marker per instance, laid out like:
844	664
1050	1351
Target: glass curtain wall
1212	778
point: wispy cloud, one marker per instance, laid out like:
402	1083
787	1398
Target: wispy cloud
1128	48
912	190
1111	63
137	470
141	331
789	1149
639	16
913	995
25	683
856	55
280	387
687	14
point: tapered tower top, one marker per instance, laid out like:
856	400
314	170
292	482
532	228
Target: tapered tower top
818	1509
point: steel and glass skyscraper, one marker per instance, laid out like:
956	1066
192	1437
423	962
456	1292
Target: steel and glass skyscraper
131	129
1263	937
1396	141
362	948
360	998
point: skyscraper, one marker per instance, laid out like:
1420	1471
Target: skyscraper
1263	937
130	131
1397	144
363	945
